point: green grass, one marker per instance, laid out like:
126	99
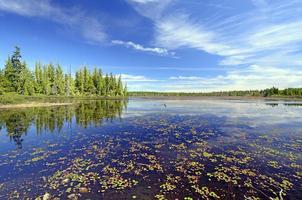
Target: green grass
14	98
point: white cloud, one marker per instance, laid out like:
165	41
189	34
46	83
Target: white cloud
136	78
144	1
89	27
156	50
253	77
268	34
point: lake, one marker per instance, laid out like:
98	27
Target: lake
153	149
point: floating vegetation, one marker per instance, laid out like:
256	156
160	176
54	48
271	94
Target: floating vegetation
156	156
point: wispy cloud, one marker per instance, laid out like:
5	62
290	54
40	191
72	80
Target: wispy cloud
254	77
269	29
144	1
263	44
139	47
136	78
89	27
251	78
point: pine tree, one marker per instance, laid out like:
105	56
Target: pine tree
106	85
119	89
38	78
17	68
2	82
50	80
46	83
88	82
125	92
9	76
26	83
51	77
69	85
96	80
79	82
100	84
59	81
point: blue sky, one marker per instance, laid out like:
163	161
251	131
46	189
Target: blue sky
163	45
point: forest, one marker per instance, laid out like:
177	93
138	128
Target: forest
49	79
269	92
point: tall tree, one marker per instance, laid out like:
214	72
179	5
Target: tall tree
88	82
38	78
46	83
9	76
26	81
51	80
17	68
79	82
59	80
2	82
51	76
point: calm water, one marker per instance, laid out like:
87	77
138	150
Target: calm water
153	149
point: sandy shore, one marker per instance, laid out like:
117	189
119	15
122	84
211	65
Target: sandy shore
32	104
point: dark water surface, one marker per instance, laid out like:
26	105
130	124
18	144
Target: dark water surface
153	149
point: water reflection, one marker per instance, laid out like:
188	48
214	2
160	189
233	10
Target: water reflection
284	104
16	123
188	149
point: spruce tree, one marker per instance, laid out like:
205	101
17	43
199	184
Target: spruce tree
59	80
17	68
51	80
26	83
79	82
9	76
38	78
2	82
46	83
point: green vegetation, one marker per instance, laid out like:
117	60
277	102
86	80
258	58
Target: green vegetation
50	80
270	92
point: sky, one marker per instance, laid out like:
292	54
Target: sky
163	45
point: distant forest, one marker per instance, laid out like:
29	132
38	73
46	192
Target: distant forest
49	79
270	92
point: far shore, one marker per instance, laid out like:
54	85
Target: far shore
272	98
35	103
32	104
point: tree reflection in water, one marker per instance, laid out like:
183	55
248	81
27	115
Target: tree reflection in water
16	123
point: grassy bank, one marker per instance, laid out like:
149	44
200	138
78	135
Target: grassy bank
13	98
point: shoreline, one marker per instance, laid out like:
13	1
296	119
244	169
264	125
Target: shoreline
32	104
219	98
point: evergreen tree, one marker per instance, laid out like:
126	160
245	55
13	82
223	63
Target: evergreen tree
26	83
17	68
106	85
38	78
46	83
88	82
51	77
119	89
2	82
69	85
9	76
100	84
59	81
79	82
51	80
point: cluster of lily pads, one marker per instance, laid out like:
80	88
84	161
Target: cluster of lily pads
162	157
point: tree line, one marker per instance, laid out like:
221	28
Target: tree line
50	79
269	92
